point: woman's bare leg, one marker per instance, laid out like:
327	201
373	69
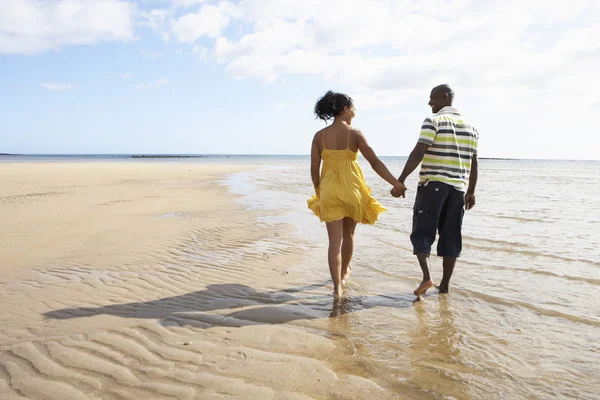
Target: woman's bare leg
335	231
347	246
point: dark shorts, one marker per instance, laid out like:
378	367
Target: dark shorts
439	208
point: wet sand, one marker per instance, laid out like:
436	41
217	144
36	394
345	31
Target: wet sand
139	281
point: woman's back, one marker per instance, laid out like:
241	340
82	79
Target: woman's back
340	168
337	137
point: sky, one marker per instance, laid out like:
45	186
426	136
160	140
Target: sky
242	77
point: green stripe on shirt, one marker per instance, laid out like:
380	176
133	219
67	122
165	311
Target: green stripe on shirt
452	139
429	160
449	181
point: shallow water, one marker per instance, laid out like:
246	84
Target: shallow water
521	321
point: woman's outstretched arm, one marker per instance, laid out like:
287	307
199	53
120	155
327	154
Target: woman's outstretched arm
377	165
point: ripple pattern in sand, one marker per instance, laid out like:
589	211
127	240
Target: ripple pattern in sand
93	332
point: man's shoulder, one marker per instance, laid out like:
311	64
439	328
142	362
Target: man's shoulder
453	118
429	119
447	112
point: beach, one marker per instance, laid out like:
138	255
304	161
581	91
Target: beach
208	280
149	281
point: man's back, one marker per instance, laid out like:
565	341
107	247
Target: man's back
452	142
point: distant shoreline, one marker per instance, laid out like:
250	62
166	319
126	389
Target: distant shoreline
108	155
198	156
162	156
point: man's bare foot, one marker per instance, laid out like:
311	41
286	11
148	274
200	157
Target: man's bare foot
423	287
346	273
442	289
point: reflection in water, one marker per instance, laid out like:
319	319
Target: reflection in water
340	306
434	350
423	357
340	319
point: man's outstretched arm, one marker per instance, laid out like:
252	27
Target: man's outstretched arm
414	159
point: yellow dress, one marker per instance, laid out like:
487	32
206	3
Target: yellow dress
342	190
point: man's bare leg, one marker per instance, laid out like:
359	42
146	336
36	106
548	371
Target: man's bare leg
449	263
347	247
335	231
427	282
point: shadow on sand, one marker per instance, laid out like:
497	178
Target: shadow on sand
236	305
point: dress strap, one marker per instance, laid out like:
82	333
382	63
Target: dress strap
348	142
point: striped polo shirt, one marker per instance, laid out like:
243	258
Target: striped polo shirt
452	142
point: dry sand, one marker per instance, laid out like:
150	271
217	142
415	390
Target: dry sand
149	281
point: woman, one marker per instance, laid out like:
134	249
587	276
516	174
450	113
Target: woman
342	197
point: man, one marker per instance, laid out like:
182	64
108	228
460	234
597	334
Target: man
447	148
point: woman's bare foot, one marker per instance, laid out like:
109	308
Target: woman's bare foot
346	273
338	292
423	287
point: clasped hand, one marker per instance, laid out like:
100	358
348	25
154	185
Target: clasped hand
399	190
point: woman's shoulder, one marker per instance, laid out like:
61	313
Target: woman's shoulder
318	134
356	131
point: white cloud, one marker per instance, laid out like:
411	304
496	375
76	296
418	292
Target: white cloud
188	3
152	85
581	39
280	37
157	20
390	51
209	21
57	86
126	75
36	26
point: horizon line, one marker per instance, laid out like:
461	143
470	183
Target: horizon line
199	155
